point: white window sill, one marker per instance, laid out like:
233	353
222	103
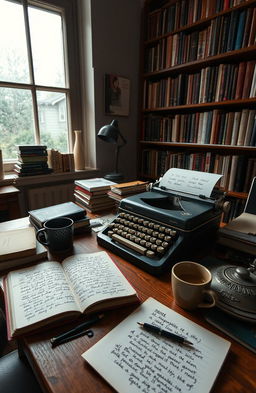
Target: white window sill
13	179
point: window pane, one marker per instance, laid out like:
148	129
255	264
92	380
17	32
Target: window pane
16	120
52	111
47	47
13	49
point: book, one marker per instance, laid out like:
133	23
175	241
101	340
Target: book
15	263
240	233
241	331
66	209
129	187
240	29
83	191
95	184
51	291
17	243
133	360
33	148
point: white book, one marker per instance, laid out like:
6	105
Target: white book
204	124
133	360
17	243
95	184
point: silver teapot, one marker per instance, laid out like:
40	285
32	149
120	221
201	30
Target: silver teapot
236	290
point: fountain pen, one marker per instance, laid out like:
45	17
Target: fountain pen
164	333
75	332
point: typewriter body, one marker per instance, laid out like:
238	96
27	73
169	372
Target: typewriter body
157	228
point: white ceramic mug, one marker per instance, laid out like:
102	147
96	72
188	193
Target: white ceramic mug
189	285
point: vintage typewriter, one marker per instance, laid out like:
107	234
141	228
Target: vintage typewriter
156	228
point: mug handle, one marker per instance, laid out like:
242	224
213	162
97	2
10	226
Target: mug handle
39	234
210	294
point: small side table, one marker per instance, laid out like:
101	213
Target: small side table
9	203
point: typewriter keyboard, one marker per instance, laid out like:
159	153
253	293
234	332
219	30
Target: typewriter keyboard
142	235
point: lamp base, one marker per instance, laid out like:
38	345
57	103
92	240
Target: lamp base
115	177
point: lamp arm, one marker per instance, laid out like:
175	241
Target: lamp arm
123	139
117	156
117	150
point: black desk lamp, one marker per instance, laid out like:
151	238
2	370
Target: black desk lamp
110	133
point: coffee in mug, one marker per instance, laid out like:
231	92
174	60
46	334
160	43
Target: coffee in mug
57	234
189	285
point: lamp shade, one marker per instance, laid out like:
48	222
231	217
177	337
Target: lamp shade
110	132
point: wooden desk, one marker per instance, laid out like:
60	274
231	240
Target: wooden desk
62	369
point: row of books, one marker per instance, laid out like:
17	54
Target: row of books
186	12
226	33
237	170
32	160
212	127
182	48
60	162
211	84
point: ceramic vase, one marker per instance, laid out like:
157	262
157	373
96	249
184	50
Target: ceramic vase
79	150
1	166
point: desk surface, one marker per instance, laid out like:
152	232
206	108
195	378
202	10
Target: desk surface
62	369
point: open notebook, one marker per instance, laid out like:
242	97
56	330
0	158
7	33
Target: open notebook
133	360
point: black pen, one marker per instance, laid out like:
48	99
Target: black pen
72	333
164	333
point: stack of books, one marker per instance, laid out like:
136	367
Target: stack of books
32	160
19	247
38	217
122	190
92	194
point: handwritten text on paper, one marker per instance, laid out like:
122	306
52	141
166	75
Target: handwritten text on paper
156	364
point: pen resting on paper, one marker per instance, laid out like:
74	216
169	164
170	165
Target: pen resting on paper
164	333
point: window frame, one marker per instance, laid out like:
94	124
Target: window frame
69	11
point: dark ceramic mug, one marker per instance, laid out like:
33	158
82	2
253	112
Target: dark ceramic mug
57	234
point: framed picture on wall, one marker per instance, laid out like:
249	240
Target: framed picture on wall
117	95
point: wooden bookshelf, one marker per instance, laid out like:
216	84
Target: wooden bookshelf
199	91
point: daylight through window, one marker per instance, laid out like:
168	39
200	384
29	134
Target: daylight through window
34	87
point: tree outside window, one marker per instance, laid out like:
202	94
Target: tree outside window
35	90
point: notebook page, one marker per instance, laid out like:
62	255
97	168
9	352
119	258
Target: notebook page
133	360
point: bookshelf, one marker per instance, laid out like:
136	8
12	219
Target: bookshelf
199	91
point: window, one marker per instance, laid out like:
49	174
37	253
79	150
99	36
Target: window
39	74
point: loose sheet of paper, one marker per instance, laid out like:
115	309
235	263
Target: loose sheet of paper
190	182
133	360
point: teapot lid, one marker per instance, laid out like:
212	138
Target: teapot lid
236	290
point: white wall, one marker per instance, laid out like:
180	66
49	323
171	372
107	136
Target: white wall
115	44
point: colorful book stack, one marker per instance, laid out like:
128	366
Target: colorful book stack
92	194
123	190
32	160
